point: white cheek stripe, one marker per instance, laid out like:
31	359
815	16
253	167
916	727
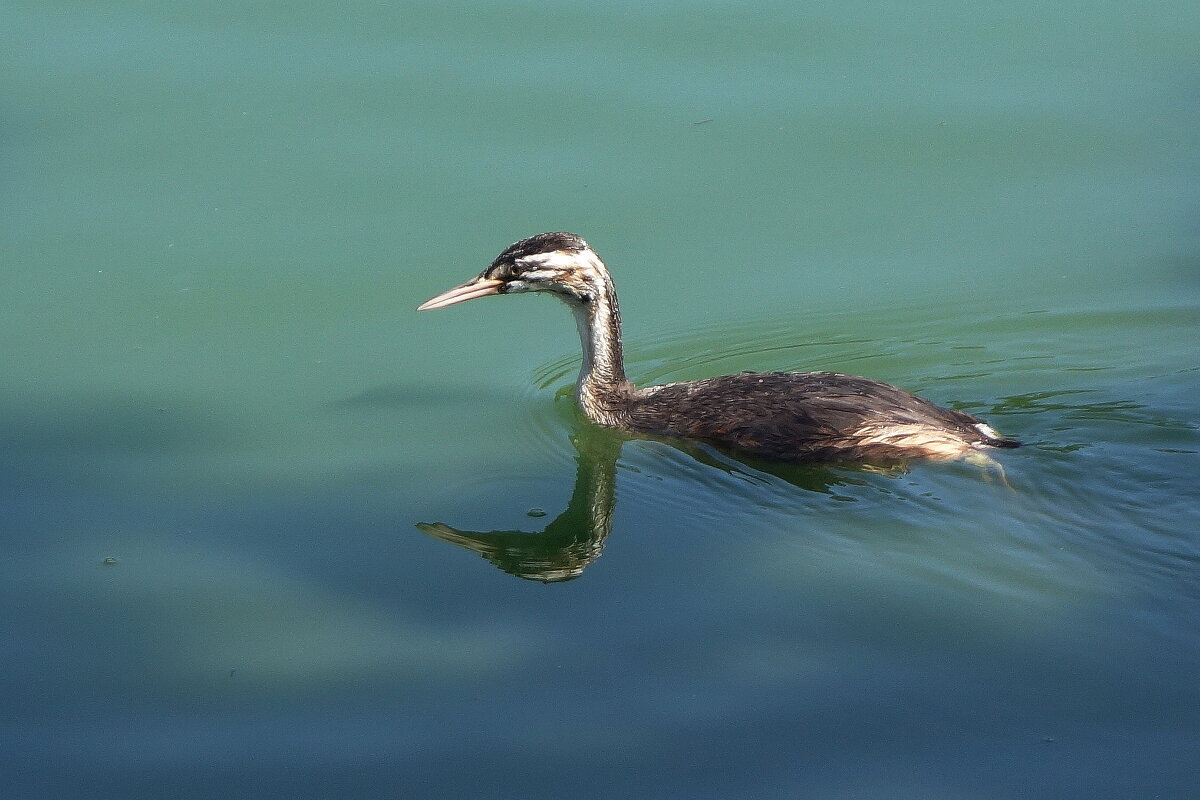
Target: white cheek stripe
557	260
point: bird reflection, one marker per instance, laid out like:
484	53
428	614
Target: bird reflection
566	546
574	539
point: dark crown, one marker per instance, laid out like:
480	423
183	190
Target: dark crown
542	243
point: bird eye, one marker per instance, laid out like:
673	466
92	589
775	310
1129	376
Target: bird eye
503	272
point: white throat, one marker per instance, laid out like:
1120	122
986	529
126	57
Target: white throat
602	389
599	333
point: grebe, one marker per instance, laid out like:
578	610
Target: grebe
784	416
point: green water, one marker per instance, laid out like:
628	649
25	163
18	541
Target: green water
221	420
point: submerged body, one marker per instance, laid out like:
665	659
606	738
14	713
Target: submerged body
788	416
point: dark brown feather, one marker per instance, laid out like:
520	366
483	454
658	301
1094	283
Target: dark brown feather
800	416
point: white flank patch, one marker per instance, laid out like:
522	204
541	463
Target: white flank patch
931	442
987	431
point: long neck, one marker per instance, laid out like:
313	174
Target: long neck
603	391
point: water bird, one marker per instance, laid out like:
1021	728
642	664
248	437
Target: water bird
782	416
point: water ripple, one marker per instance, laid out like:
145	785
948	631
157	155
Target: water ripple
1094	499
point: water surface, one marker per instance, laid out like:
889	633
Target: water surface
221	422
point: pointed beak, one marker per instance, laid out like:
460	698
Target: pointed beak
478	287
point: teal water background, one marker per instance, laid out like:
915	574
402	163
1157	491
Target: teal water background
221	420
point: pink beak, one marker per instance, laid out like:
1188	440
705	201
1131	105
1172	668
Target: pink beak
477	287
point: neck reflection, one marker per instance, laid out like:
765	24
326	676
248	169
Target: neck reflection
574	539
565	547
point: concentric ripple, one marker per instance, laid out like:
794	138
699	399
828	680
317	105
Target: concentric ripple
1109	445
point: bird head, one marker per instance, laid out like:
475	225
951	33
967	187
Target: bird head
560	263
